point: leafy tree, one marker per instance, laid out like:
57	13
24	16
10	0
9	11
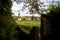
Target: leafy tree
6	21
35	6
54	10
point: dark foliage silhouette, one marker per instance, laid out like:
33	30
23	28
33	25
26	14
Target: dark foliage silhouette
21	35
33	35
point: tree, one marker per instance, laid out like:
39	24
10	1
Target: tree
34	7
54	10
6	21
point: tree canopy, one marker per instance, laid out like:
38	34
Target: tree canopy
5	7
6	21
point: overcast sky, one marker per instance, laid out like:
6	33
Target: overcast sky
18	7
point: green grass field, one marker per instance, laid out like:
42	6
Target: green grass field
27	25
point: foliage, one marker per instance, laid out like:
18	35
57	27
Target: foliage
32	17
7	23
54	10
24	18
34	6
15	18
5	7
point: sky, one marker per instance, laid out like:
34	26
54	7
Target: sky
19	7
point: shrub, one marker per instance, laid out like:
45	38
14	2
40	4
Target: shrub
24	18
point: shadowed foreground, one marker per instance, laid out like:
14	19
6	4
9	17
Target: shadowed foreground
33	35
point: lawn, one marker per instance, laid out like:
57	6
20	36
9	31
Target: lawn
27	25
